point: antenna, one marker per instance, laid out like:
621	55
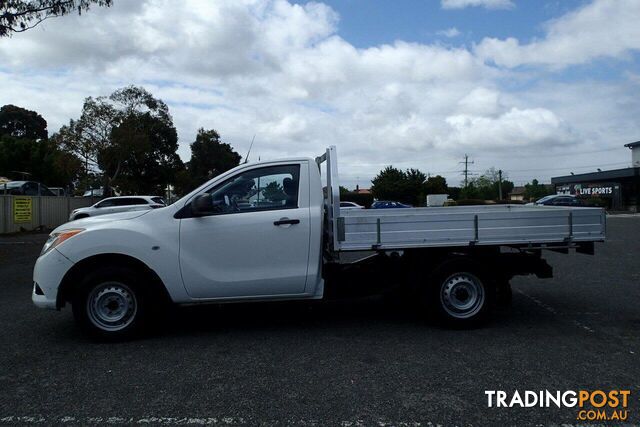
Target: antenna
246	159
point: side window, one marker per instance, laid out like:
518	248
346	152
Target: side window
268	188
46	191
125	201
105	203
31	189
137	201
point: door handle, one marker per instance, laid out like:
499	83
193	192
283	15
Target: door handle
284	221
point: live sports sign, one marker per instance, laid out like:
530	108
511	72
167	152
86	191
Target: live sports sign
590	190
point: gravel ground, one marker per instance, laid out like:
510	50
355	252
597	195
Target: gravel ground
341	363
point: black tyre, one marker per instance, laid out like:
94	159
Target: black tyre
110	303
461	294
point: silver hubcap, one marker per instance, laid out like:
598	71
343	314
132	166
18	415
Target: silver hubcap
112	306
462	295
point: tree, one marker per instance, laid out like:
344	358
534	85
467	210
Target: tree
129	136
17	16
274	192
535	190
22	123
486	186
151	162
394	184
209	158
436	185
24	146
389	184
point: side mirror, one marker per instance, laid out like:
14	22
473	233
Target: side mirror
202	205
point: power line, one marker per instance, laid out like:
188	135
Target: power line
465	172
566	153
568	167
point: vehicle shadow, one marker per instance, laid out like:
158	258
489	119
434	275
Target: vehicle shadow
297	315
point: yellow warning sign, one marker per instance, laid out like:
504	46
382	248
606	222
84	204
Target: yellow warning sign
22	209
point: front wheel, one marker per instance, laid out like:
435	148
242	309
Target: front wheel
109	305
461	296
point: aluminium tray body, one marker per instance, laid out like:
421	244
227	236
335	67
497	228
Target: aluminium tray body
366	229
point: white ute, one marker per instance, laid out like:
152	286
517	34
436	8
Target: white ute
268	231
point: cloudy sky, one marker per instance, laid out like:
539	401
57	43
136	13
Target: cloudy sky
536	88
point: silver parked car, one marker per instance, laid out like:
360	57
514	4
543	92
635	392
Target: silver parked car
119	204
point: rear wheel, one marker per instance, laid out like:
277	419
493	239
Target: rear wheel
110	304
460	294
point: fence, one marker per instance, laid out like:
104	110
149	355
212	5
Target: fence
26	213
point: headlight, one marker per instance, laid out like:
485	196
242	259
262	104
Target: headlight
56	238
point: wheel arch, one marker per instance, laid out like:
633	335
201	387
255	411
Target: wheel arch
72	279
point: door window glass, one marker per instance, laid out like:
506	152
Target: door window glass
105	203
269	188
31	189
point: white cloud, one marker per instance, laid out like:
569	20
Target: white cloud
513	129
489	4
449	32
601	29
281	71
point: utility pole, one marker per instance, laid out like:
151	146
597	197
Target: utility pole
500	184
466	170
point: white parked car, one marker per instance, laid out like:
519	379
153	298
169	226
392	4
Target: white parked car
350	205
118	204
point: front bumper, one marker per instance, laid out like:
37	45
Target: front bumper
47	276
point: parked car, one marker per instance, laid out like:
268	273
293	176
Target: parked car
118	271
98	192
350	205
25	188
58	191
94	192
118	204
558	200
385	204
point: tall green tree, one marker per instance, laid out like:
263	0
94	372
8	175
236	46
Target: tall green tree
209	158
403	186
21	123
17	16
389	184
436	185
534	190
486	186
25	147
129	137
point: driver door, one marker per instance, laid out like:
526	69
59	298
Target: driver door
256	243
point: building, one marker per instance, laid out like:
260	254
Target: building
517	194
359	190
619	189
